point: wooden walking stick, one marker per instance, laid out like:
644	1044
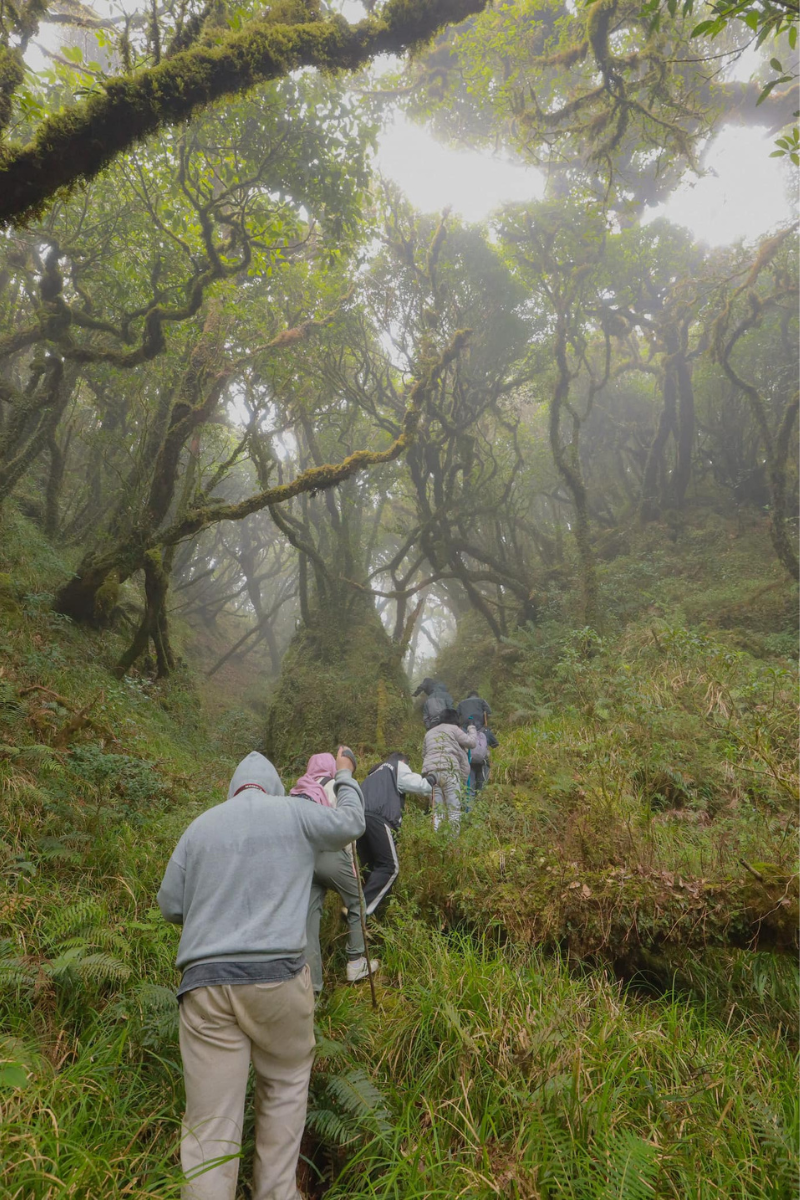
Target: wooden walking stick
361	902
363	911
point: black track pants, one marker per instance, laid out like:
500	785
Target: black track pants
378	853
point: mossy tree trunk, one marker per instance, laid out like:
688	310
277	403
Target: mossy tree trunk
342	677
684	449
77	143
567	460
154	625
184	411
341	681
663	487
776	444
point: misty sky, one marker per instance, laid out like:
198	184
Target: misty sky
744	194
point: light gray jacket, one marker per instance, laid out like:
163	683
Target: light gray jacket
445	750
240	877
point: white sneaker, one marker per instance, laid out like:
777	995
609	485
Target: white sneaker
357	969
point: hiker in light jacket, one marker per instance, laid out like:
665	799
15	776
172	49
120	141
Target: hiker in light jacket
238	883
445	756
385	789
332	869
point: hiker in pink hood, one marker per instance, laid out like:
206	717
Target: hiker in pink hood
320	770
332	869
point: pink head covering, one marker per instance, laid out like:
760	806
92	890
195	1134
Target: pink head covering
320	766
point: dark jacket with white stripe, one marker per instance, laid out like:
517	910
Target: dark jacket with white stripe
385	788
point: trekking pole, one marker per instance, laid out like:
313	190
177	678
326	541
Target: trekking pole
363	913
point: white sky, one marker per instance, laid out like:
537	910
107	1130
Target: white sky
743	194
434	176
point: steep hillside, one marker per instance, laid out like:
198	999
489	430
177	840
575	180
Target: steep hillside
591	992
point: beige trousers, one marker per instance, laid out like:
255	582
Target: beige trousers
222	1030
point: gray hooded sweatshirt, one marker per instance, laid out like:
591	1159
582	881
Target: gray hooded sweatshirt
240	877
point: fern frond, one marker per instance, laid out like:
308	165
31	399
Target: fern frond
327	1048
154	997
73	919
16	973
330	1126
97	967
358	1096
632	1167
102	967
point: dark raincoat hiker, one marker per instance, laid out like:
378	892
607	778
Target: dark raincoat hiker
438	704
473	710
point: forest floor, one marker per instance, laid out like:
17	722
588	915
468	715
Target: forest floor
590	992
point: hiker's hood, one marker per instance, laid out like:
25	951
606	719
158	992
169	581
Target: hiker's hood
319	766
255	768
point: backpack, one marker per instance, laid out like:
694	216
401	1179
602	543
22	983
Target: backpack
434	709
480	752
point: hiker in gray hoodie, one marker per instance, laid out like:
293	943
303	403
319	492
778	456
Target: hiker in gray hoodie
239	883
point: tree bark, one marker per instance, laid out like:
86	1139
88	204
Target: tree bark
29	432
682	473
654	467
55	478
154	625
567	462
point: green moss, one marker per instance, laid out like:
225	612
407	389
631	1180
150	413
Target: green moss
340	682
106	597
12	74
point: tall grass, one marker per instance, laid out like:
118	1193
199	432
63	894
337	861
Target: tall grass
512	1076
490	1068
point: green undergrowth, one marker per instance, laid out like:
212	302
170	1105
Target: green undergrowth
641	813
98	778
642	808
584	994
506	1074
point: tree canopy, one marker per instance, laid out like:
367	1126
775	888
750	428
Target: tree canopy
233	317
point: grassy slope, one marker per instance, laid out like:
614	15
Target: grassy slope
88	1015
504	1070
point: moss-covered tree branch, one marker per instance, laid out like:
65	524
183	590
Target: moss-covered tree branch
92	592
328	474
76	144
